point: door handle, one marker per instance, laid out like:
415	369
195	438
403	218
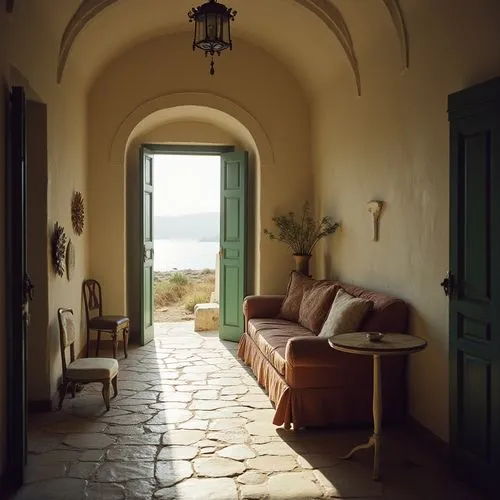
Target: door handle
448	284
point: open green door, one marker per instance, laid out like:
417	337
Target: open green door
233	236
147	255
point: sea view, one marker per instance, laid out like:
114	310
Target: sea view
184	254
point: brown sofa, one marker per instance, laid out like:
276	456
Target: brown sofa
312	384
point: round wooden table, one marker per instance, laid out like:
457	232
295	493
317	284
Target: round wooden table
391	344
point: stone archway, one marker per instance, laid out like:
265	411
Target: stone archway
243	126
203	99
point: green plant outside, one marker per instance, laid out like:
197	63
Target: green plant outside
179	288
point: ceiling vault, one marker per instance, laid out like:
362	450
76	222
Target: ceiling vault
83	15
334	20
399	23
328	13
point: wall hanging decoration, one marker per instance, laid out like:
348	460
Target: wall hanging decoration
375	208
302	234
70	260
58	249
77	212
212	29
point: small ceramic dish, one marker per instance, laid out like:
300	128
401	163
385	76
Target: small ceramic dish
374	336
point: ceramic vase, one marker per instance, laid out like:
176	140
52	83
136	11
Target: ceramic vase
302	263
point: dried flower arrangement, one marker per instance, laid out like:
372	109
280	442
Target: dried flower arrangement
302	234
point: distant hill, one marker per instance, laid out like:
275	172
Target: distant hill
200	227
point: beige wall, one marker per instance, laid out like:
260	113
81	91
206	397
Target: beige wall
392	144
188	132
255	81
34	45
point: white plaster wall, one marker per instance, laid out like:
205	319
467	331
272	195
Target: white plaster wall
255	81
392	144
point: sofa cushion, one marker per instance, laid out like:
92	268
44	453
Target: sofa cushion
389	314
291	305
316	302
271	337
346	314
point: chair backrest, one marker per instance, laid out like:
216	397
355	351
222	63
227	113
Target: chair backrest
67	334
93	298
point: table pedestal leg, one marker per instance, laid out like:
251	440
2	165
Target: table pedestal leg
374	440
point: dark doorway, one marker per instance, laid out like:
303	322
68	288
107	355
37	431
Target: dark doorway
473	284
17	288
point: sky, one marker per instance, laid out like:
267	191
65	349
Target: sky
186	184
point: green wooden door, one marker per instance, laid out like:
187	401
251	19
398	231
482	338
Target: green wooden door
233	236
147	254
474	347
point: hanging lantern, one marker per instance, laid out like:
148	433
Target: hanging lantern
212	30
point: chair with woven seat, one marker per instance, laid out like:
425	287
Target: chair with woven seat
111	324
83	370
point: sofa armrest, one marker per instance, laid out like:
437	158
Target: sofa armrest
313	352
262	306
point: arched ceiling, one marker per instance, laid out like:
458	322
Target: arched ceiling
292	30
192	114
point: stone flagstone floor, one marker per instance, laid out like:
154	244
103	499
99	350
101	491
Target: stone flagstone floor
190	422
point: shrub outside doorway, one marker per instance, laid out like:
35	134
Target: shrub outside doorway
176	293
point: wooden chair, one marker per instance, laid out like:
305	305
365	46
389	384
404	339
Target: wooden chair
83	370
96	321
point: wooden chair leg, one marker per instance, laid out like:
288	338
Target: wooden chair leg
105	393
114	337
125	341
98	341
88	342
115	386
63	389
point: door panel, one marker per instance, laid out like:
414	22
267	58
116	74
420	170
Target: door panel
233	234
147	254
16	305
474	264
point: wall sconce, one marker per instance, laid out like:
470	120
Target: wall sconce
375	208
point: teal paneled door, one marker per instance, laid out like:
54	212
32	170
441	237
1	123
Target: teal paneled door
473	284
147	254
233	235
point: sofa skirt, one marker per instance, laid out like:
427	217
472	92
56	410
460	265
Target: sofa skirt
316	407
268	377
